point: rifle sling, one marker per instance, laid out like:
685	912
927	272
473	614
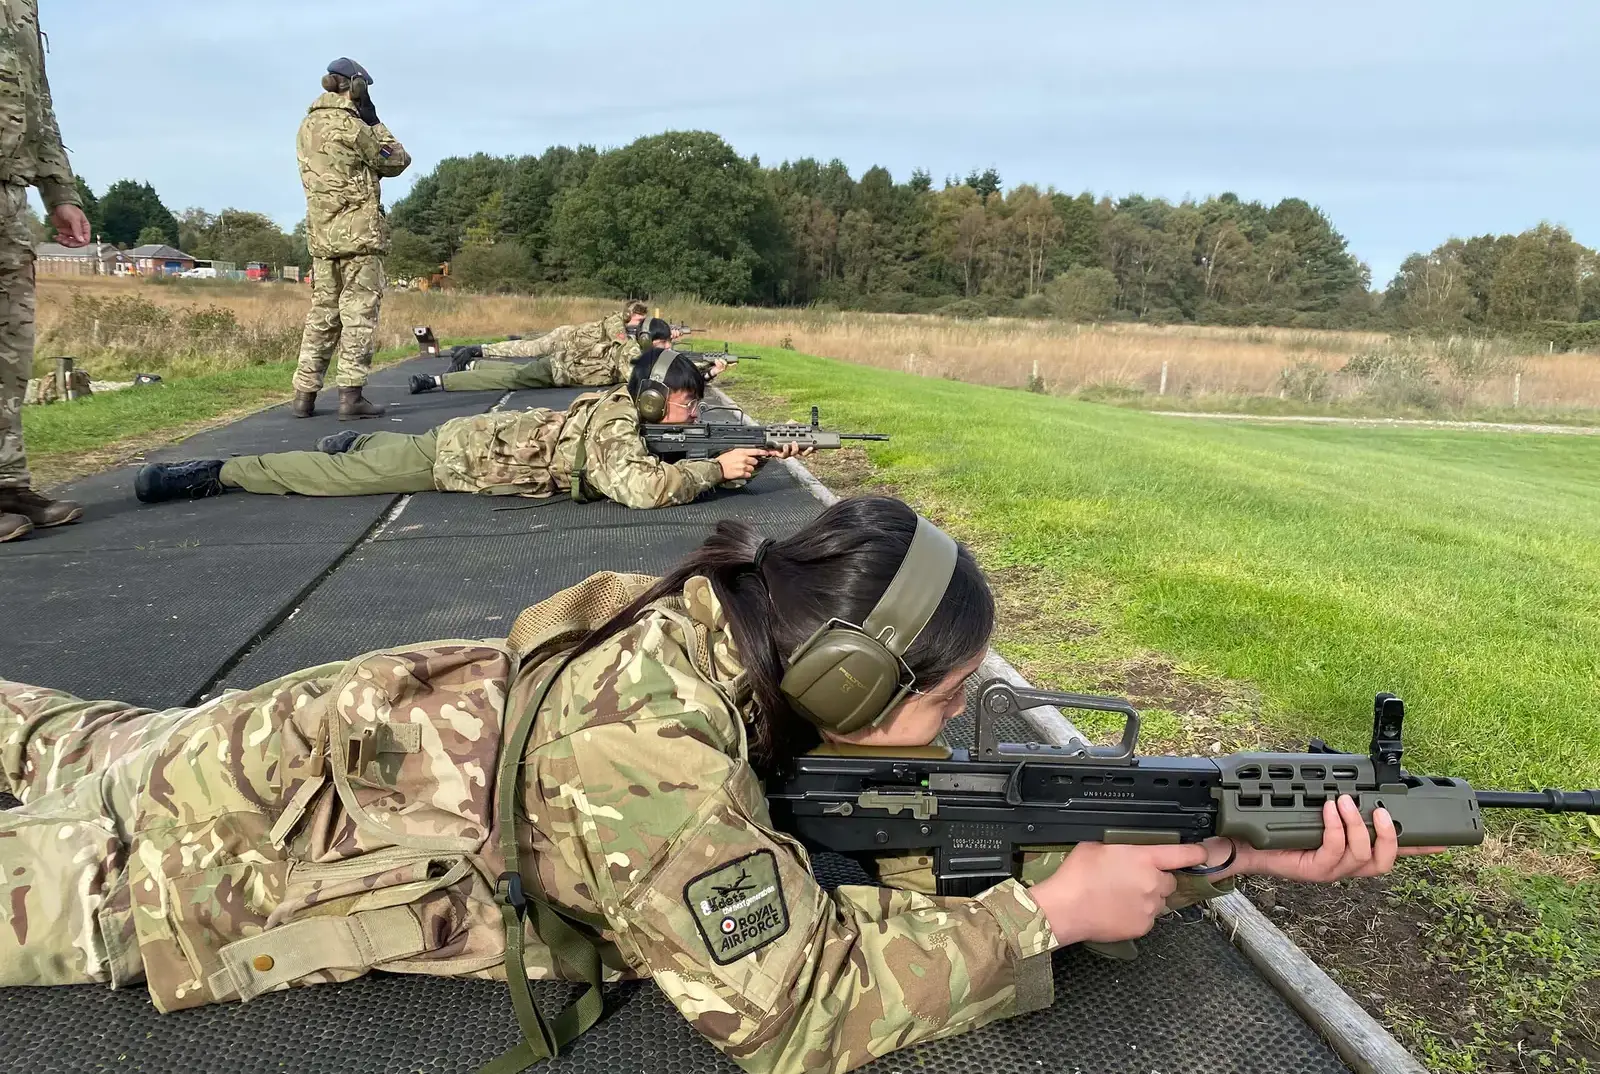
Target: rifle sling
570	947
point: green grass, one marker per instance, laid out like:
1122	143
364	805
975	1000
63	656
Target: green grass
1318	564
59	434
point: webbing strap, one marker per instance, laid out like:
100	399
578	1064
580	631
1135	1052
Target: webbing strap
570	948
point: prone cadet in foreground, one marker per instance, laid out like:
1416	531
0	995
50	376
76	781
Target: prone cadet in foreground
595	449
604	363
429	808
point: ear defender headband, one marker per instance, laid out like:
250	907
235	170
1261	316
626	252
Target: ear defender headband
846	677
651	402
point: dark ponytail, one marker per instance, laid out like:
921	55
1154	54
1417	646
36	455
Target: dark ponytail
836	567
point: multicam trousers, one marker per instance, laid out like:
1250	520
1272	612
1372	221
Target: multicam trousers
345	295
16	331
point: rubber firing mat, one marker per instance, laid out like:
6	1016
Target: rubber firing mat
148	602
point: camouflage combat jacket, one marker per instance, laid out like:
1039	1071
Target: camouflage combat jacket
610	362
341	160
30	141
534	452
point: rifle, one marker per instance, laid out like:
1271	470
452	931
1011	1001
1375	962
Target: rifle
680	329
704	360
703	441
975	809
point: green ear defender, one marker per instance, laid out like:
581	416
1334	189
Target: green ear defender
846	677
651	402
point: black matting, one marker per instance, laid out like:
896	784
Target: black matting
448	566
147	602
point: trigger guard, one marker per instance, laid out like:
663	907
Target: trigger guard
1213	870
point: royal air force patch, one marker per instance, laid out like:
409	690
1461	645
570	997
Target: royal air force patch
739	906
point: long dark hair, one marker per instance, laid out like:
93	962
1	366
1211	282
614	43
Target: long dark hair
836	567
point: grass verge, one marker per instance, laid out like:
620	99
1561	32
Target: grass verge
1258	584
65	440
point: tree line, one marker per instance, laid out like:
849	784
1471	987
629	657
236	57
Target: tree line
682	212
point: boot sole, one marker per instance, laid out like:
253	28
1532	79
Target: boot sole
17	535
72	517
357	417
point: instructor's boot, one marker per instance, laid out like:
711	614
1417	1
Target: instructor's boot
42	511
353	405
338	443
193	480
14	526
305	404
462	357
425	382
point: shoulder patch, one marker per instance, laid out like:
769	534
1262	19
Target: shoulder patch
738	906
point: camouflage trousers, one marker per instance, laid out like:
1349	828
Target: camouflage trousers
345	295
537	347
500	376
66	912
375	463
16	332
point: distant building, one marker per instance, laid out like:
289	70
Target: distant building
159	260
96	259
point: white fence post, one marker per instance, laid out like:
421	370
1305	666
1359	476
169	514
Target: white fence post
1516	391
1163	389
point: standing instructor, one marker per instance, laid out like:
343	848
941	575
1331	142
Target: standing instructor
344	149
30	155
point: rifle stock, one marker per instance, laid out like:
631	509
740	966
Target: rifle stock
975	810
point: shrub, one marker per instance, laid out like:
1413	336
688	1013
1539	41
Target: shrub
1306	381
966	309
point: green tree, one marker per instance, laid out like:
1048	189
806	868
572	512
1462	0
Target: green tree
127	208
677	212
151	235
1536	279
1082	294
503	268
1430	290
410	255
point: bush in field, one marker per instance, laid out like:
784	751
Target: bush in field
1082	294
1306	381
1397	374
966	309
127	333
503	268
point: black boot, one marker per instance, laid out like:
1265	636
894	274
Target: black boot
193	480
462	357
305	404
338	443
425	382
353	405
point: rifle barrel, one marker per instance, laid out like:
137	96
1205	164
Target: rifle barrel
1549	800
863	436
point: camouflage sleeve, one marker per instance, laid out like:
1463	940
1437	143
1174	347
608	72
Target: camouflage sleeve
381	150
621	467
724	913
53	175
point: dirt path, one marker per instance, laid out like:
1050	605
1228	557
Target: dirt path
1318	419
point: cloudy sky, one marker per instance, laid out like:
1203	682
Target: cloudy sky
1406	120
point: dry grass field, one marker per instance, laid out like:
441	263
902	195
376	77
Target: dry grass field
108	323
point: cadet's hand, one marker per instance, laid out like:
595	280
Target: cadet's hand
1347	850
1109	892
72	227
366	110
740	463
716	369
789	451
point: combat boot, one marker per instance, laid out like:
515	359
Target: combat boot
193	480
353	405
14	526
425	382
338	443
462	357
42	511
305	404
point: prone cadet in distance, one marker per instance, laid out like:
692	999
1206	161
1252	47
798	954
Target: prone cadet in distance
593	450
421	809
570	338
606	363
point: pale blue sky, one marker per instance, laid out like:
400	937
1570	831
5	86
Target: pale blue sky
1407	120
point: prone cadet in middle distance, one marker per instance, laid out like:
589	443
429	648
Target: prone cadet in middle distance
594	450
603	364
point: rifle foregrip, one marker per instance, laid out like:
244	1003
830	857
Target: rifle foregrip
1438	813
